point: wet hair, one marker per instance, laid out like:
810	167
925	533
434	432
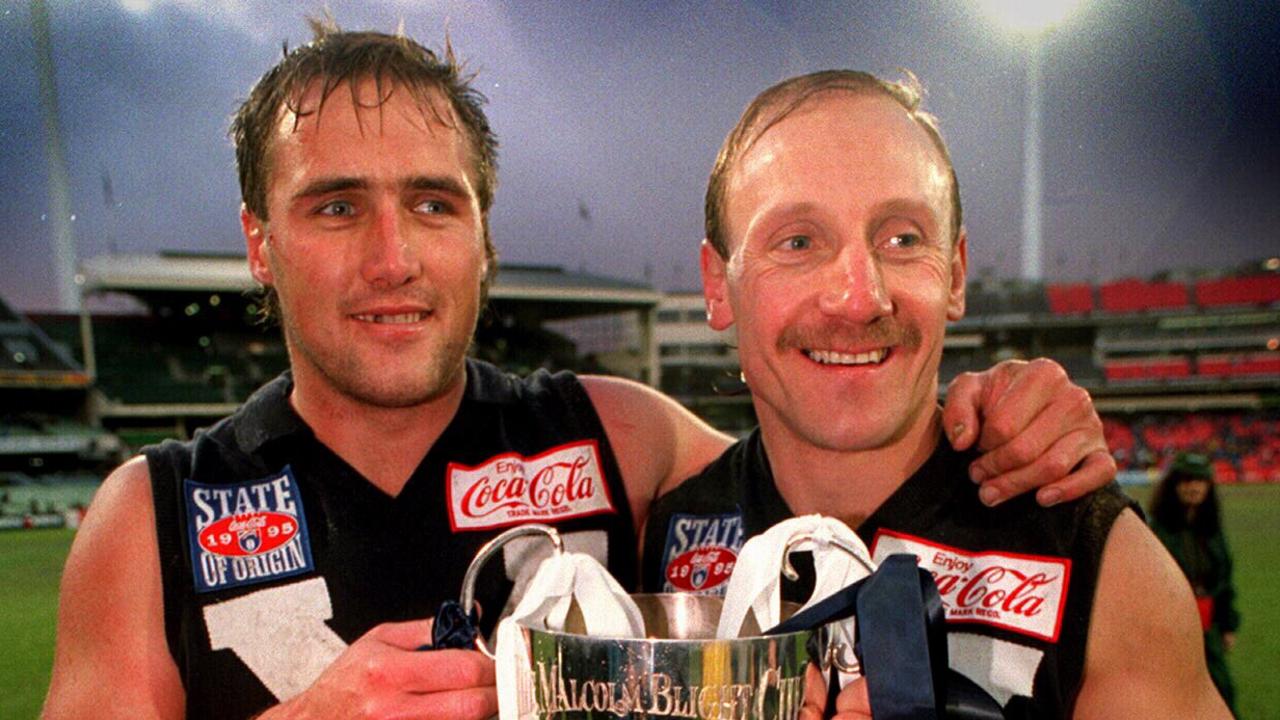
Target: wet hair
335	59
779	101
1169	512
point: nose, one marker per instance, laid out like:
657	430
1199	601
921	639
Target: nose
854	287
390	255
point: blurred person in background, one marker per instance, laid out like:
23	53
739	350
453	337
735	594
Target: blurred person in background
1186	517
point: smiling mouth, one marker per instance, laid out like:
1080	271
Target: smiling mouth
830	357
396	319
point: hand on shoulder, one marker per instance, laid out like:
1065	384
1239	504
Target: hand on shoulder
1036	429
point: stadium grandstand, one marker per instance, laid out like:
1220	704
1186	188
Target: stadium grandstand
1173	362
194	346
184	344
1176	362
51	453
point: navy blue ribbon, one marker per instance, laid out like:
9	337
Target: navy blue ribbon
901	644
453	628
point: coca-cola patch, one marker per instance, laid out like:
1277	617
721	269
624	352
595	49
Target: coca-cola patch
509	489
246	533
1022	593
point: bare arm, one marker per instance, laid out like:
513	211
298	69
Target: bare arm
658	443
111	658
1036	429
1145	656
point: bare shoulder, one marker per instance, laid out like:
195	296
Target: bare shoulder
111	611
1145	655
658	442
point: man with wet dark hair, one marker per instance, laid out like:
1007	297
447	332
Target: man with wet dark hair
835	248
283	562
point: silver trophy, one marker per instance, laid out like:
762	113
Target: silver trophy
679	669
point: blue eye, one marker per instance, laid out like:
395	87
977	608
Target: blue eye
337	208
432	207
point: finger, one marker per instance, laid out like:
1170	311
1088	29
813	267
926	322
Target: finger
1071	416
435	671
1027	392
1027	466
854	698
468	704
1098	469
960	411
1053	467
407	635
815	693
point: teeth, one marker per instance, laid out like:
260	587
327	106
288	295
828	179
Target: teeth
827	357
401	319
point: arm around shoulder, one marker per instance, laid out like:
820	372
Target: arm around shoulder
1145	655
657	441
111	658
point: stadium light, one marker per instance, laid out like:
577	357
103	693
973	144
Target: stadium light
1031	19
1029	16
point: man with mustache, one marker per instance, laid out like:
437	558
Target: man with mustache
835	247
283	561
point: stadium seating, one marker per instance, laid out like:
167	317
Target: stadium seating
1239	364
1162	367
1235	291
1243	446
1127	296
1071	299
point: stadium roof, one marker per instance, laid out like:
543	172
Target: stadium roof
28	359
179	272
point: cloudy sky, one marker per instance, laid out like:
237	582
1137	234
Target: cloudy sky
1161	122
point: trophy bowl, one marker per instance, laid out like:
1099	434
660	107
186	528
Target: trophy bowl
680	670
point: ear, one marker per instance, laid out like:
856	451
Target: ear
255	240
959	265
715	288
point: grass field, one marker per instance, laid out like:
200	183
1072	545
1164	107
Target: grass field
31	563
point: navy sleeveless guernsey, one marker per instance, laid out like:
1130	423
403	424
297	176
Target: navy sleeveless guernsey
1017	580
275	554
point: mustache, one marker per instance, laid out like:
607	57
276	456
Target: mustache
884	332
419	296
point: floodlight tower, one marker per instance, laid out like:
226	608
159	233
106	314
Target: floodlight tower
1031	20
60	217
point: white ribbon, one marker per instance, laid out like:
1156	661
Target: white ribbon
755	585
560	580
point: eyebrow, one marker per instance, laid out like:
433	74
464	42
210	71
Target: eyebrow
440	183
324	186
904	206
892	206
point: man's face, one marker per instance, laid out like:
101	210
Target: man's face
841	274
374	245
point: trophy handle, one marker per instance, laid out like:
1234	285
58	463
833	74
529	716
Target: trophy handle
789	571
468	596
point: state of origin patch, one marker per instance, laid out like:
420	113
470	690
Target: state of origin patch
246	533
701	552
